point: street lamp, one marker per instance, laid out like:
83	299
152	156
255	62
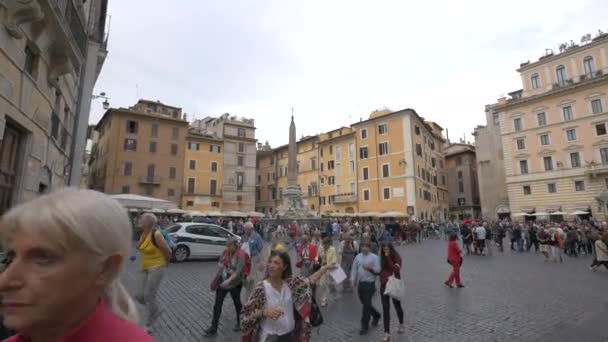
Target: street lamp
105	103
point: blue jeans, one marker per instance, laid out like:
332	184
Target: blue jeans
520	245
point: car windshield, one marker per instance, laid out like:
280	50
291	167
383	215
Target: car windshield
173	229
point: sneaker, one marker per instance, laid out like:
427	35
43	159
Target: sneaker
401	329
386	338
448	285
211	331
460	286
593	269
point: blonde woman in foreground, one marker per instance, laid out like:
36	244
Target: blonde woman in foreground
65	253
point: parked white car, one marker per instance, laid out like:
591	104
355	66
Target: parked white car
198	240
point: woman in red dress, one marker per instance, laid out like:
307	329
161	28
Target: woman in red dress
454	259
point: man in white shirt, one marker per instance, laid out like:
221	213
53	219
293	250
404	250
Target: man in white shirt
481	238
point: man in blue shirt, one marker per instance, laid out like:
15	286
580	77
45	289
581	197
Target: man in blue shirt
366	267
254	246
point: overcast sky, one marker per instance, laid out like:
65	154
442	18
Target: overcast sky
332	61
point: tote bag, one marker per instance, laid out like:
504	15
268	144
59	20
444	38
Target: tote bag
394	288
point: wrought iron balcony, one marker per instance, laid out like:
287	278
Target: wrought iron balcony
348	197
154	180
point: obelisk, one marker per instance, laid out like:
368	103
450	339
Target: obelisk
292	164
292	196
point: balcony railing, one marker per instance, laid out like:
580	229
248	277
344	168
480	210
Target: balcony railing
596	169
150	180
349	197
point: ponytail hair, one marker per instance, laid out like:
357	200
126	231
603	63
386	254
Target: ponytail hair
120	302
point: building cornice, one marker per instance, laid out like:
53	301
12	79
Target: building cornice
543	60
126	112
511	104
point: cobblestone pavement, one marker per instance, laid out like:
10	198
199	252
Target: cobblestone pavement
509	297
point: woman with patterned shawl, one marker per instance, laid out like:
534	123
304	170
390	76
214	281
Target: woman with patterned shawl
279	307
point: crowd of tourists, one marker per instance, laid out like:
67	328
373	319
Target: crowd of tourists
81	240
552	240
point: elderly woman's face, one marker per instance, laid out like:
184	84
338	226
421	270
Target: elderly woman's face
42	281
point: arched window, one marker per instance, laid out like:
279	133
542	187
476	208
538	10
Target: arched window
589	66
535	79
561	75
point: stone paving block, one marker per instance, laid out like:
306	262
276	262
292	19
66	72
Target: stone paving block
509	297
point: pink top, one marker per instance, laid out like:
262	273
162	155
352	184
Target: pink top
101	326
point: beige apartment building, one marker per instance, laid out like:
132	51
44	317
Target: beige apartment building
401	165
266	180
239	158
338	171
47	53
494	199
203	173
393	161
140	150
463	189
554	132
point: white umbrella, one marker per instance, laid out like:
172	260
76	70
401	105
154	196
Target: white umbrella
579	212
213	214
155	211
142	202
556	213
176	211
521	214
197	213
540	213
255	214
393	214
369	214
234	214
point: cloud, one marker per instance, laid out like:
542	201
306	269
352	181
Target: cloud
333	61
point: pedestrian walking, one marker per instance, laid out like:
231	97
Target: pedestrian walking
363	276
279	308
481	233
601	252
467	238
252	244
555	242
61	283
347	250
232	267
454	259
545	245
390	265
154	257
307	256
327	256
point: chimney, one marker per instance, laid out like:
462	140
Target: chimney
259	146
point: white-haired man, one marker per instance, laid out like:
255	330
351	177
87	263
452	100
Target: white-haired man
253	244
